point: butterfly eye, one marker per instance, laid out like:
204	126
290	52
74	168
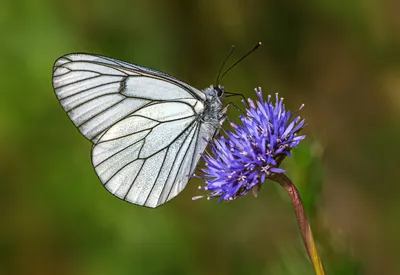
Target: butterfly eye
219	90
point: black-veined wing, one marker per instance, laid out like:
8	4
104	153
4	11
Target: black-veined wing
144	124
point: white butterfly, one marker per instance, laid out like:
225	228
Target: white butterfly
148	128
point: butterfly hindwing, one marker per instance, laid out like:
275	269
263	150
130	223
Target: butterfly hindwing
138	163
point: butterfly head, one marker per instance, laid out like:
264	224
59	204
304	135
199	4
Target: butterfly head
214	93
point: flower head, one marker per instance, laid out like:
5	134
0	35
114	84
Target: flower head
252	152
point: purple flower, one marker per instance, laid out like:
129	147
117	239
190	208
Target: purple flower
253	152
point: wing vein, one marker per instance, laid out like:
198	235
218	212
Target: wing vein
180	165
172	165
126	147
158	175
91	88
99	113
177	137
134	179
79	81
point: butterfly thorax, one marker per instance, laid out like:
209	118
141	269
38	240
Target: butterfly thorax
213	104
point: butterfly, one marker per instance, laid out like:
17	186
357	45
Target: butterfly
148	129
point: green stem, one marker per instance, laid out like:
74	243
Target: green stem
302	220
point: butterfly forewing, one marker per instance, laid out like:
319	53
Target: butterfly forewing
96	92
145	125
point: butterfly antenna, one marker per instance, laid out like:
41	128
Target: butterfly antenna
223	64
234	64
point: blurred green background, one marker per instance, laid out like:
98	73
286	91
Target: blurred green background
340	58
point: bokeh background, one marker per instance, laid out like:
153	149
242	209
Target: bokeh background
340	58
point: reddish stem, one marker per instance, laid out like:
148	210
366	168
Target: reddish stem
302	220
